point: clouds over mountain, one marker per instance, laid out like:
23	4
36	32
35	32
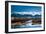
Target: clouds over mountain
29	13
26	14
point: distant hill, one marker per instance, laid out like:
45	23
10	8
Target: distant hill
26	16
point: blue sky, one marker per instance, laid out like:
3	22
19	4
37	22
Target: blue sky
18	8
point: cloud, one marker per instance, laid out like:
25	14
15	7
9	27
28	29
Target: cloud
32	13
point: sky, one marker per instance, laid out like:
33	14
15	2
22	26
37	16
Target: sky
25	9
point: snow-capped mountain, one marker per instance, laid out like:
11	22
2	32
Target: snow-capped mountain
26	14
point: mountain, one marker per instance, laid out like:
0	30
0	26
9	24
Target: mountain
37	16
26	16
